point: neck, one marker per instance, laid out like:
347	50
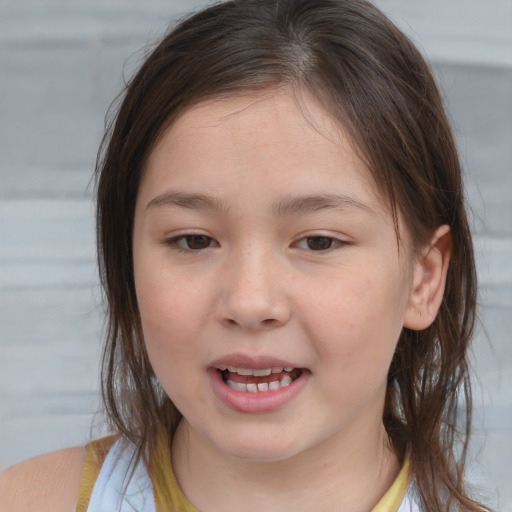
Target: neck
339	474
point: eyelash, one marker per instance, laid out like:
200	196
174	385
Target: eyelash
333	243
175	242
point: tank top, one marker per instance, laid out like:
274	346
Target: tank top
114	480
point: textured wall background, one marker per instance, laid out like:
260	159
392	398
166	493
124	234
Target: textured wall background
61	63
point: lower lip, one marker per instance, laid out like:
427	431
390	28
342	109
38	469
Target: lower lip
259	402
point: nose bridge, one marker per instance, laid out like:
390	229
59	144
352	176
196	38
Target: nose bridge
253	296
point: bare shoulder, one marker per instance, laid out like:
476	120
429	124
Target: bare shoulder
46	483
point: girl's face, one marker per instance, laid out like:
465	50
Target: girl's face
270	284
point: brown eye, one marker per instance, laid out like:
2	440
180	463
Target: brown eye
196	242
191	242
319	243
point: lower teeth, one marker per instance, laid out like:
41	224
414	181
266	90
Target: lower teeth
252	387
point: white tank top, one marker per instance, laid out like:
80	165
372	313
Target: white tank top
115	491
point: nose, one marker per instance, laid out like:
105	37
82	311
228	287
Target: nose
252	293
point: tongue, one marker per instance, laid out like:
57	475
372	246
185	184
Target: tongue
251	379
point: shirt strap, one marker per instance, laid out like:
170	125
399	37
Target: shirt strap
96	452
167	492
393	498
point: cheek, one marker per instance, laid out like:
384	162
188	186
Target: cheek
166	320
165	298
357	322
169	318
355	345
170	335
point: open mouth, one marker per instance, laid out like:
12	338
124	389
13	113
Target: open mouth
258	380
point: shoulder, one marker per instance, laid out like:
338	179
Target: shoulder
49	482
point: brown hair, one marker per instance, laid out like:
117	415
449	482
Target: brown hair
374	81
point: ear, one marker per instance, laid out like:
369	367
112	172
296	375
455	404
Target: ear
429	279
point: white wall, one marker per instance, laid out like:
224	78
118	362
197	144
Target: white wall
464	31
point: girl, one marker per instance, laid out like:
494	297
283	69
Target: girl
289	276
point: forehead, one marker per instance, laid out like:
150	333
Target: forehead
265	136
268	107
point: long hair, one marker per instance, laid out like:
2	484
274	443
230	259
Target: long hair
372	79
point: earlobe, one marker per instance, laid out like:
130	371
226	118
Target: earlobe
429	279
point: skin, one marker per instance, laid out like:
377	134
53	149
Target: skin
48	483
256	286
259	287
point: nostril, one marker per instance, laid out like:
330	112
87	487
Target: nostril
268	322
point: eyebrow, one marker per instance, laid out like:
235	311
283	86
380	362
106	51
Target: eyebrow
317	202
284	208
188	200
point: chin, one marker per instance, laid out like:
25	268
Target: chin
259	450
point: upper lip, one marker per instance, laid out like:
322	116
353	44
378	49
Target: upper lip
255	362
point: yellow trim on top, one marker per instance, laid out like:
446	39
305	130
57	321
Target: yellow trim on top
394	496
168	494
96	452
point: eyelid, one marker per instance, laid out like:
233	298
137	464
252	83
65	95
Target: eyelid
173	241
337	242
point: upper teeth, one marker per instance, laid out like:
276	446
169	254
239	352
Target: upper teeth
257	372
252	387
